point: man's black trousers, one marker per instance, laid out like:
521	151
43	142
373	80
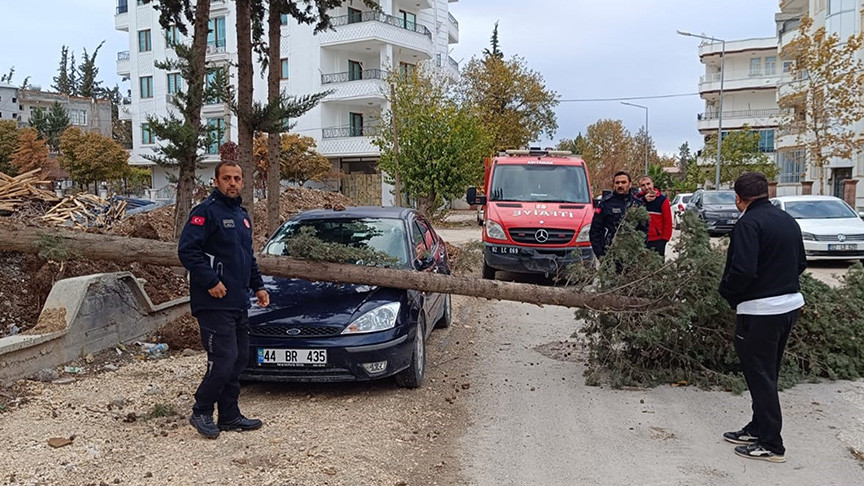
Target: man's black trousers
225	337
657	245
759	342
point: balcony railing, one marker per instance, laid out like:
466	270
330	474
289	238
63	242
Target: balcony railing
351	131
792	129
122	7
215	47
370	16
715	77
453	63
352	76
123	56
453	19
765	113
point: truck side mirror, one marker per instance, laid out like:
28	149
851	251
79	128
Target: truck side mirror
472	198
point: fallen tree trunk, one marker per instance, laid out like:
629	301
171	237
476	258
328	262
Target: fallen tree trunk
72	245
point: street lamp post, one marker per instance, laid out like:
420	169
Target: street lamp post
720	113
646	130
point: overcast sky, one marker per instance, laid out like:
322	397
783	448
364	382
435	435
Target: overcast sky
585	49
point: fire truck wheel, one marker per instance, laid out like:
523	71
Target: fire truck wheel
488	272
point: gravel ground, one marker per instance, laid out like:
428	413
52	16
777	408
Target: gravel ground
335	434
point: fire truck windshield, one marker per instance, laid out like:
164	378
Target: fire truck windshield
540	183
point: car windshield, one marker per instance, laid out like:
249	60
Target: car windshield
540	182
685	199
819	210
382	235
719	197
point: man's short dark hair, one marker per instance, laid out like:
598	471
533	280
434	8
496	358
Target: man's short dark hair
751	185
643	178
620	173
230	163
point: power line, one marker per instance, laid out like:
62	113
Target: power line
628	98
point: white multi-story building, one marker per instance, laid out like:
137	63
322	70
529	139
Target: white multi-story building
841	17
9	102
352	60
751	75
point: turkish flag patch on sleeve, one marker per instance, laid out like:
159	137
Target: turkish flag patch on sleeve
246	222
597	210
197	220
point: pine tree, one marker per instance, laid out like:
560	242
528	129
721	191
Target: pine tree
62	80
50	125
32	152
7	78
74	79
89	86
495	51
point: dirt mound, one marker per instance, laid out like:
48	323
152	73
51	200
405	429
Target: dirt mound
157	224
295	200
179	334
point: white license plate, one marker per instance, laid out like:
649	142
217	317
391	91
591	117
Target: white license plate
504	250
847	246
292	357
731	221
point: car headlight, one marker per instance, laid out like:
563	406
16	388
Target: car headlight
808	236
378	319
584	234
495	231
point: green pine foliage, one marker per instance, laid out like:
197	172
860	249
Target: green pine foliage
687	335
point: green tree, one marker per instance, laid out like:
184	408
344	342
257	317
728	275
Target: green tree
32	152
51	124
89	85
575	145
495	50
828	96
9	136
739	154
441	144
63	81
92	157
608	149
298	160
7	78
513	103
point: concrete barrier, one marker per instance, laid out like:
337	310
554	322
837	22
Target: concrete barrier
84	315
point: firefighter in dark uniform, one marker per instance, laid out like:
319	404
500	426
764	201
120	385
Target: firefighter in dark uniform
609	213
216	248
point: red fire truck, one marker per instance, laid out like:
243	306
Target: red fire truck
538	210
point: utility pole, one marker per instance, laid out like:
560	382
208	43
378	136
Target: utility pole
395	144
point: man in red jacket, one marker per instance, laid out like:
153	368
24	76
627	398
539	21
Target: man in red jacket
660	222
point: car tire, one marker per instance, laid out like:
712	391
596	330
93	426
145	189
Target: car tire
488	272
412	376
446	315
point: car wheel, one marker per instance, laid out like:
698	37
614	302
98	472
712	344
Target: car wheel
447	315
412	376
488	272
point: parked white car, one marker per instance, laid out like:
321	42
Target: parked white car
678	205
831	229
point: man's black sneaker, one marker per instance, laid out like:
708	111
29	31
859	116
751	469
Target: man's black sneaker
740	437
241	424
204	425
756	451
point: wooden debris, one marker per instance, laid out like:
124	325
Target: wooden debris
23	187
86	211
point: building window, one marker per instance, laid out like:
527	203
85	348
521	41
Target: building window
210	81
216	32
172	36
408	20
144	44
756	66
283	73
216	127
175	83
406	69
355	128
354	15
355	71
141	2
791	165
77	117
283	19
146	135
122	6
787	67
770	65
146	85
766	141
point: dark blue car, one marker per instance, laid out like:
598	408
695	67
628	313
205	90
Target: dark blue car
319	331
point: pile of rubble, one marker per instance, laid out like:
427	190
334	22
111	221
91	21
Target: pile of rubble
86	211
23	188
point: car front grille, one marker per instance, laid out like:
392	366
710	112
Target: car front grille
530	236
289	331
833	238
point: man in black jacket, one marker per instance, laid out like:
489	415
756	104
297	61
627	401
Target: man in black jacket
216	247
609	213
764	260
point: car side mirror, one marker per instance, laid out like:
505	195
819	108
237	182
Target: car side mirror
471	197
424	262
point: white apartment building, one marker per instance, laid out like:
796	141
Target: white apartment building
8	102
352	60
841	17
750	78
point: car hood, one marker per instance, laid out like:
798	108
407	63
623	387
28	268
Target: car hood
296	301
846	226
716	208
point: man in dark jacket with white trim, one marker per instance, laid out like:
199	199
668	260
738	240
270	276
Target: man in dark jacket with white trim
764	260
216	247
